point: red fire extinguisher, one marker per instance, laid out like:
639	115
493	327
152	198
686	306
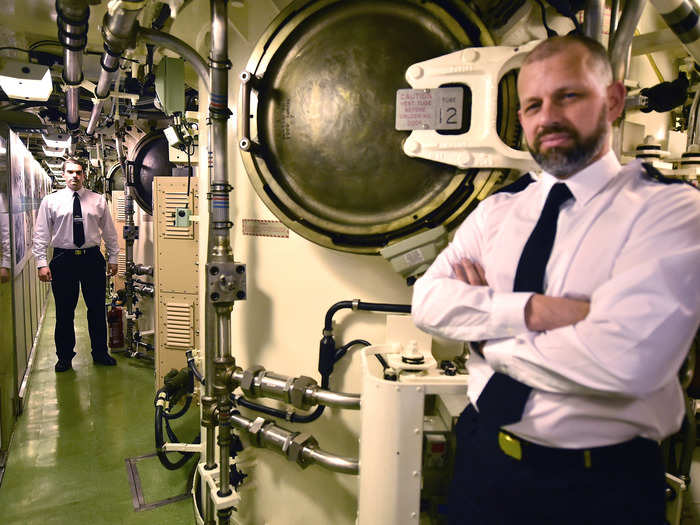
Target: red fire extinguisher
116	327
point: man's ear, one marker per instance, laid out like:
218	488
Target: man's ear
616	93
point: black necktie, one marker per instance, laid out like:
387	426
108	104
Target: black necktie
503	399
78	230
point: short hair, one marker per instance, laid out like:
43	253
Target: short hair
74	160
597	54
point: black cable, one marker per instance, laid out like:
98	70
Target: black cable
343	349
190	363
4	48
160	442
550	31
182	411
368	307
381	359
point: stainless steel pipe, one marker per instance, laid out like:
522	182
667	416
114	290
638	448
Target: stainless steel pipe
160	39
335	399
331	461
622	43
118	31
593	19
295	446
72	19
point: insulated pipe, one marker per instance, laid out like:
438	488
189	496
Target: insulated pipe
683	21
118	31
158	38
593	19
300	448
72	19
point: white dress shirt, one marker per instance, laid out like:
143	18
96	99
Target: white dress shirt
54	224
627	243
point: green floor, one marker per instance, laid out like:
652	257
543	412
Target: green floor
67	460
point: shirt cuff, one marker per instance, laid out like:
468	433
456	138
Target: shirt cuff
508	312
41	262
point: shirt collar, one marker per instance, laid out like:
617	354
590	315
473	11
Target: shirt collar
80	192
585	184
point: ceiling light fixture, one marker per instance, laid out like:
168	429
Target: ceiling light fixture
24	80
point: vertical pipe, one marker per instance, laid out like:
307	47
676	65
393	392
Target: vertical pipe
129	250
614	8
219	249
593	19
72	20
619	52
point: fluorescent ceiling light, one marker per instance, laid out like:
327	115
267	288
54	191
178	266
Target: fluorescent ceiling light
56	166
24	80
53	152
57	140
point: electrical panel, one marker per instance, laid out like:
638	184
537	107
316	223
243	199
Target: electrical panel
176	272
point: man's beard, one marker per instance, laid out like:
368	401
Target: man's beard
562	162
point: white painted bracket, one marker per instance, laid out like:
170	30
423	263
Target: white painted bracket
184	447
211	477
480	68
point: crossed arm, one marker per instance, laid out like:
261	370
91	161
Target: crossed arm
542	312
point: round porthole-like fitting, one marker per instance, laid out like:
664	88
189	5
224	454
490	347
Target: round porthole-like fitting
150	159
322	151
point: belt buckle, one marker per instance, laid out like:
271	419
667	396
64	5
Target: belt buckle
510	446
79	252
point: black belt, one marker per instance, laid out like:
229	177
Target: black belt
79	251
621	455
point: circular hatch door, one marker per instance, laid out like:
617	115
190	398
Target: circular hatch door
325	157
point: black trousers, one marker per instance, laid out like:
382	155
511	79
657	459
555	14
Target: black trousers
492	488
69	274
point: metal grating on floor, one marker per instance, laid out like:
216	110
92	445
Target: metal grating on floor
136	491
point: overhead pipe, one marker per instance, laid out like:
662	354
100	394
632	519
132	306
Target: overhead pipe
72	19
622	43
694	122
593	19
160	39
119	27
681	17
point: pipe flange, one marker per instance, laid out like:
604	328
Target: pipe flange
294	452
297	394
249	375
